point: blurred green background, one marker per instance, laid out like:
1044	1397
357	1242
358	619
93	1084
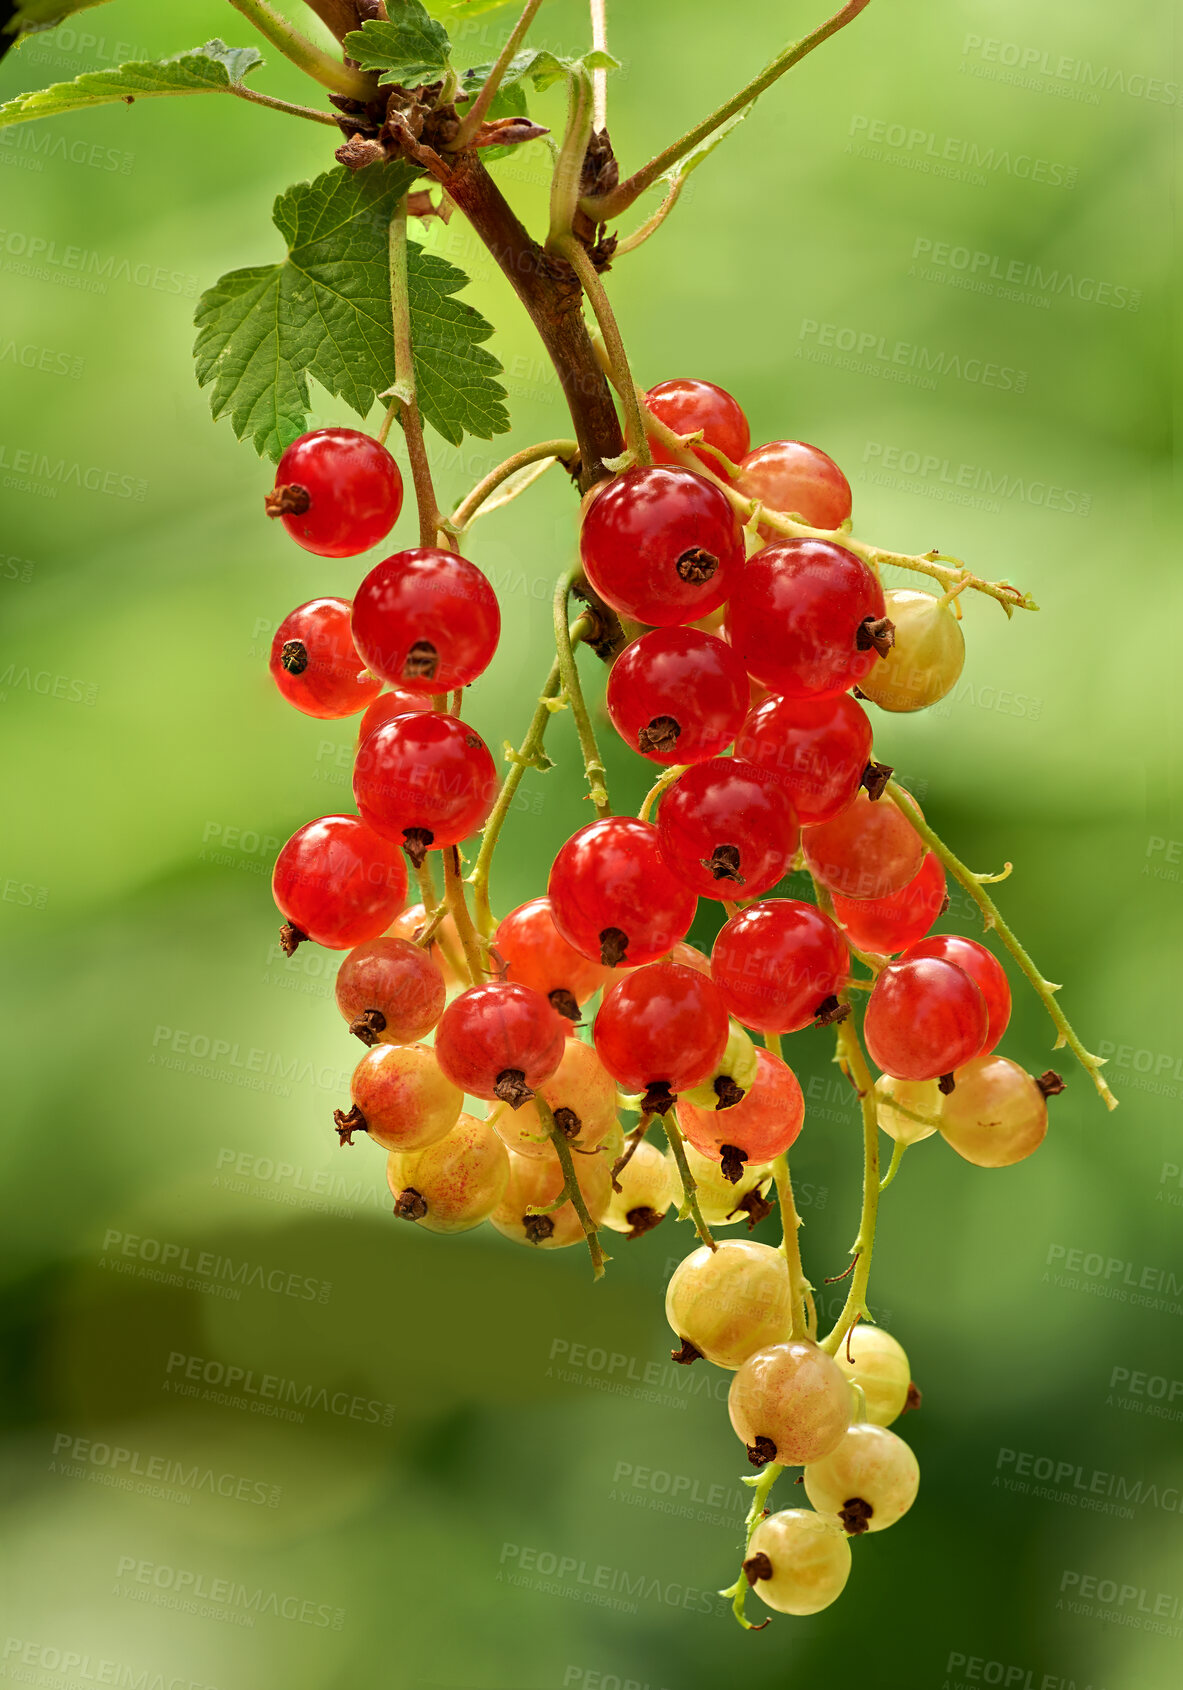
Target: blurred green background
475	1417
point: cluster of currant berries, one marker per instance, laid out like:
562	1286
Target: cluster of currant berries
751	659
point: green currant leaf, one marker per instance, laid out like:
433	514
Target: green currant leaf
325	312
411	48
537	65
212	69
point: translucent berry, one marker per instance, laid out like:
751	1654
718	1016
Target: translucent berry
735	1072
426	620
648	1187
731	1301
387	706
661	545
613	897
727	829
660	1031
390	992
338	882
314	662
338	492
807	618
981	965
908	1110
817	749
401	1098
872	1359
866	1484
779	964
996	1114
500	1041
797	480
926	657
722	1202
536	955
425	781
581	1096
789	1403
869	850
535	1182
924	1019
886	925
444	947
690	407
453	1184
798	1562
677	695
763	1124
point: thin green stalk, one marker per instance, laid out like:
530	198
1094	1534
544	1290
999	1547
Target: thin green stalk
403	392
329	72
855	1063
458	909
599	25
571	1187
475	114
897	1156
653	223
606	206
1045	990
689	1205
790	1245
592	761
256	99
666	778
761	1486
568	172
562	451
576	254
435	910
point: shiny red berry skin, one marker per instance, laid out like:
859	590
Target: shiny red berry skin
796	618
314	661
777	962
798	480
817	749
338	883
388	705
500	1041
392	990
924	1019
763	1124
661	1024
536	955
353	487
982	966
868	850
662	545
426	620
887	925
687	406
429	774
677	695
613	897
727	829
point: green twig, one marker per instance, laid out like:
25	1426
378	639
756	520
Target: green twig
571	1187
329	72
568	172
564	452
897	1156
257	99
403	392
592	761
458	909
689	1205
790	1244
855	1063
761	1486
475	114
576	254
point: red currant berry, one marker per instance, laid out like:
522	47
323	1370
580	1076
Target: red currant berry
338	883
536	955
613	897
390	992
924	1019
314	662
887	925
338	491
426	620
868	850
444	947
677	695
797	480
691	406
660	1031
662	545
500	1041
778	964
727	828
387	706
805	618
817	748
981	965
426	780
763	1124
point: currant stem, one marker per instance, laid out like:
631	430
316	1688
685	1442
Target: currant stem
689	1205
565	452
599	26
592	762
329	72
606	206
761	1487
1044	989
666	778
475	115
571	1187
256	99
634	426
650	226
790	1245
404	380
568	172
458	909
851	1056
897	1156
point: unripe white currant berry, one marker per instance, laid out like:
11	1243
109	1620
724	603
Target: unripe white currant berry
927	657
453	1184
908	1110
647	1188
798	1562
996	1114
874	1360
538	1180
790	1403
731	1301
722	1203
868	1483
735	1074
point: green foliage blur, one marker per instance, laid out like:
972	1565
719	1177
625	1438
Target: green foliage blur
497	1482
